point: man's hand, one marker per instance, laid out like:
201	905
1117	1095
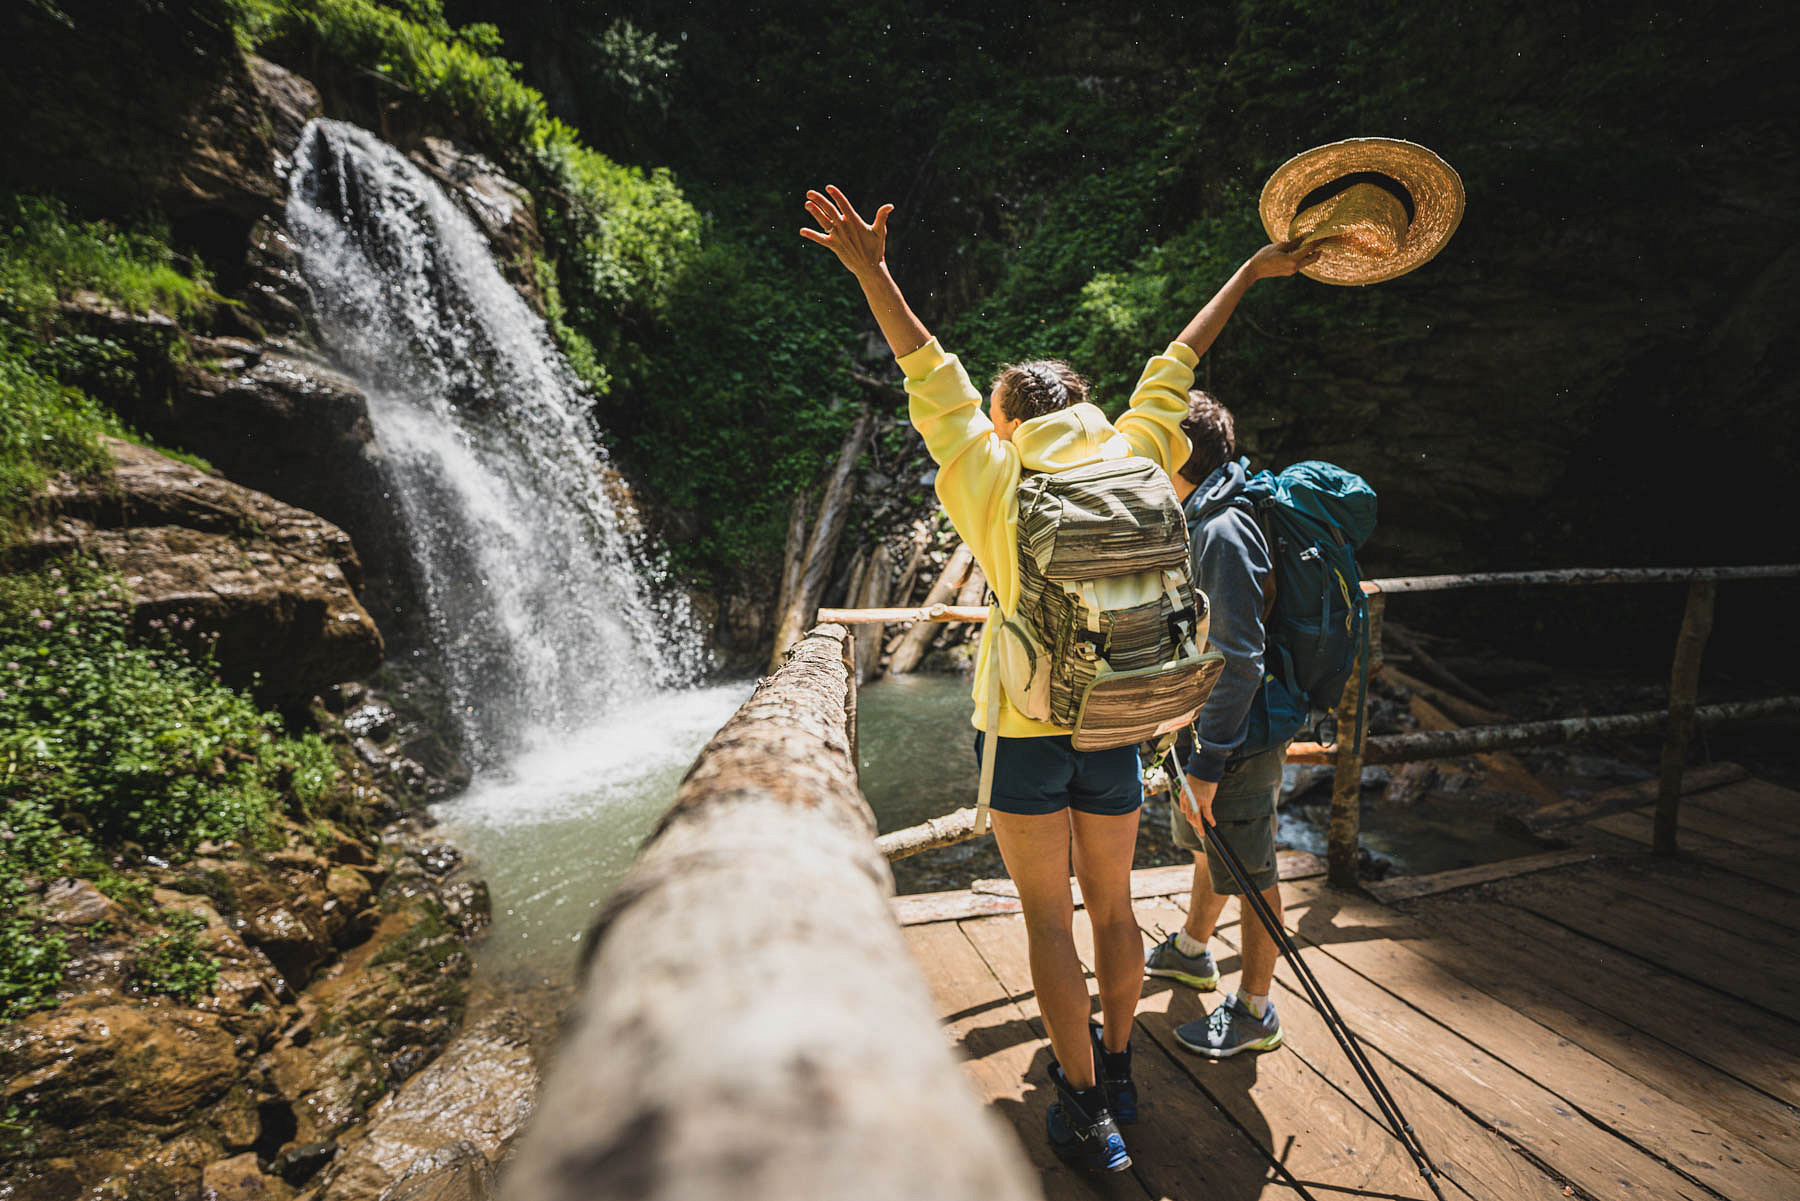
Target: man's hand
1280	258
1198	792
859	245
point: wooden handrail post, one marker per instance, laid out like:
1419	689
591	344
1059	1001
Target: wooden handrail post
1684	686
1346	776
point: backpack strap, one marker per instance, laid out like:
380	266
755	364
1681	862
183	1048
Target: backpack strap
990	745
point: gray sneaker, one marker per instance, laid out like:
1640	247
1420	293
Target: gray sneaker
1196	971
1229	1030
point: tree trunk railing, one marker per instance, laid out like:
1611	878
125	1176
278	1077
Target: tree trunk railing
750	1024
1347	757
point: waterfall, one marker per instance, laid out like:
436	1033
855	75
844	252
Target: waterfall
542	608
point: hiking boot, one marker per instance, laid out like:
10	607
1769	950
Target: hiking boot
1082	1130
1195	971
1114	1070
1230	1030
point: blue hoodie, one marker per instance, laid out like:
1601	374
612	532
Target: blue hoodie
1231	565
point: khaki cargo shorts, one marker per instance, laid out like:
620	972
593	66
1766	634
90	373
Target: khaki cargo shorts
1244	812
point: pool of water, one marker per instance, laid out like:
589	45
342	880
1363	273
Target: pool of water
555	832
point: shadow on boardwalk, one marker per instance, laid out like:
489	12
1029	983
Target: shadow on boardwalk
1622	1026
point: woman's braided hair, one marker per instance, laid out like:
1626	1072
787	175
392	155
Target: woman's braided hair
1041	386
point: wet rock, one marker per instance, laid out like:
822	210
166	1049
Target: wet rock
200	555
372	720
467	905
459	1172
239	1179
71	902
288	101
329	1084
437	857
479	1091
99	1058
501	208
301	1162
1410	783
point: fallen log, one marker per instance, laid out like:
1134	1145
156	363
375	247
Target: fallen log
1429	666
821	547
912	648
762	1082
872	595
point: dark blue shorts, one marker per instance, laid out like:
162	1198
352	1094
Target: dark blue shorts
1048	775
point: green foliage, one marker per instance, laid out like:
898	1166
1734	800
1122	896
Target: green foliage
128	740
744	413
633	64
110	742
48	425
46	256
32	955
174	964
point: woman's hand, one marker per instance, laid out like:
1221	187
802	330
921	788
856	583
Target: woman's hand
859	245
1280	258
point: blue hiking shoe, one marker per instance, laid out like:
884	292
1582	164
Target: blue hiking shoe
1114	1070
1082	1130
1195	971
1229	1030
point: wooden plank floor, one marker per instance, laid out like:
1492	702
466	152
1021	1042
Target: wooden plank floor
1614	1026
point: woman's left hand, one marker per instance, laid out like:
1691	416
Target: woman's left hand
860	245
1281	258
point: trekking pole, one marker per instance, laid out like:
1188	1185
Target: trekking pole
1399	1127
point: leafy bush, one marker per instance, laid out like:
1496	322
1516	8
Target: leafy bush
174	964
128	740
106	741
744	413
46	425
32	956
46	256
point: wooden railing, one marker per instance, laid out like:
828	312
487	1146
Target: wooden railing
750	1024
1347	756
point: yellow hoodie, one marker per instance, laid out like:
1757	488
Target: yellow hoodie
978	474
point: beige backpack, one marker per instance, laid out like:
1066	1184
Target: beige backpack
1108	640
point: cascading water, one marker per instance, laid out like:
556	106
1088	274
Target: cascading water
564	670
534	590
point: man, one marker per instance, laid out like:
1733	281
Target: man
1235	782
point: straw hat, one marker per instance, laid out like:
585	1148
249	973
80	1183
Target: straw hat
1381	207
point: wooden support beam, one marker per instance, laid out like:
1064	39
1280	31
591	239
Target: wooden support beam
1344	832
1684	685
810	1067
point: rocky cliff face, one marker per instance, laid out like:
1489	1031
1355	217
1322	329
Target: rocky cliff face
272	587
340	967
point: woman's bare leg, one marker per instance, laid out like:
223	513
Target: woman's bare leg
1102	853
1036	850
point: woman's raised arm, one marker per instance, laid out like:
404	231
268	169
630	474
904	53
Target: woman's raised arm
862	247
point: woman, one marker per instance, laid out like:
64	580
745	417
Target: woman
1052	805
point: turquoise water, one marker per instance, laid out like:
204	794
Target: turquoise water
558	830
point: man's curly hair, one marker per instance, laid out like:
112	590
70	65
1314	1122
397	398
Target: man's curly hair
1213	434
1041	386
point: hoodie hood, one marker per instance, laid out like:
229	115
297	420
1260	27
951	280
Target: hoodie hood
1224	486
1068	438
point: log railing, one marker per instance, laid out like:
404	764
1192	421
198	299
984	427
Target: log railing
1347	757
750	1024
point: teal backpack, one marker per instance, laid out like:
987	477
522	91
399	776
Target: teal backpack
1315	516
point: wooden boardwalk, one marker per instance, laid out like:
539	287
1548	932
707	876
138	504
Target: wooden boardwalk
1608	1026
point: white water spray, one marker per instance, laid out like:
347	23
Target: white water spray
540	603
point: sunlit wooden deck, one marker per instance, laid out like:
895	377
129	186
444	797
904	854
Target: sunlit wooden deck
1607	1026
